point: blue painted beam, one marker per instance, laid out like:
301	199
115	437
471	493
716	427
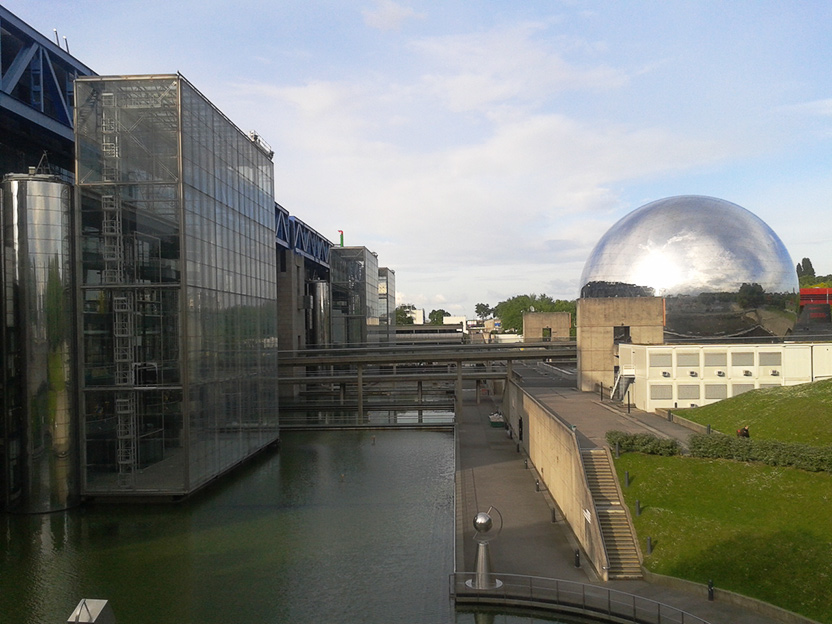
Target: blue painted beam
37	84
282	227
309	243
292	233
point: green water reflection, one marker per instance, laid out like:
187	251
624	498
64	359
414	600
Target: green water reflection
337	527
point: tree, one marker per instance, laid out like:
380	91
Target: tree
807	277
510	312
805	269
483	310
751	296
435	317
403	316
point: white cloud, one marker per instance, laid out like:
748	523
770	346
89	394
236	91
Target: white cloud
822	108
475	71
388	15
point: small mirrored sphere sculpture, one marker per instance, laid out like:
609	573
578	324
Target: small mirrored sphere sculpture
483	522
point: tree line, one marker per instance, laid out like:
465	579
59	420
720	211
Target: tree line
807	278
510	312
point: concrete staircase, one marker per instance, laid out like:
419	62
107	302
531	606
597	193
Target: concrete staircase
615	527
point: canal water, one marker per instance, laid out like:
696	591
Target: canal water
354	526
350	526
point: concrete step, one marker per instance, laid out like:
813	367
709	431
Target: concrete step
615	527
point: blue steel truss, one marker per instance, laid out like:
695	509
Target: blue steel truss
292	233
36	76
283	234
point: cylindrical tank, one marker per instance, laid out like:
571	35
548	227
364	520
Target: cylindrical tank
40	462
321	312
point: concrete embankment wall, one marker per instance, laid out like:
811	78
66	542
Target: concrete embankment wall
552	447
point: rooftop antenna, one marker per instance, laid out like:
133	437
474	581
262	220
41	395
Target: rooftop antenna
58	43
43	164
66	43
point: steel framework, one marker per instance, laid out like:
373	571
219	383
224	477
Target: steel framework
36	77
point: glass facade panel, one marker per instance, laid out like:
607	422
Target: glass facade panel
355	298
387	304
175	386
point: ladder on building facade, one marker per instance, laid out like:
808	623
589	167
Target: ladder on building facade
114	276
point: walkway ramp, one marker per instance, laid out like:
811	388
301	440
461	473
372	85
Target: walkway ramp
612	518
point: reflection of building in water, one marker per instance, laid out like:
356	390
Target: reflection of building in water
684	273
176	287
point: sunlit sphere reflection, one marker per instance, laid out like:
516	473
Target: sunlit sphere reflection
483	522
720	268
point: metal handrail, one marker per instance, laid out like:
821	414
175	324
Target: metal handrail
568	597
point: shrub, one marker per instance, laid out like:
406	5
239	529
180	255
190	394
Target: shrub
769	452
645	443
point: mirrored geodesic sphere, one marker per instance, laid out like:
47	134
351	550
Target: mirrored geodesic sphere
720	268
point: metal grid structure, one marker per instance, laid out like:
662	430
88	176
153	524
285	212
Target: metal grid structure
176	286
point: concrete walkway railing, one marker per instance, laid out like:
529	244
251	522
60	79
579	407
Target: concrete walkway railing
560	596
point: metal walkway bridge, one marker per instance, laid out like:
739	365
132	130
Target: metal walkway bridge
420	377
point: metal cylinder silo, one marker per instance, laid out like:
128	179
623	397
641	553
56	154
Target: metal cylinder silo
321	312
40	461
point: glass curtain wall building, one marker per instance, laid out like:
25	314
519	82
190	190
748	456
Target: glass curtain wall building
176	287
387	304
355	301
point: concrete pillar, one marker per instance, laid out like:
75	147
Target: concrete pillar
360	392
458	388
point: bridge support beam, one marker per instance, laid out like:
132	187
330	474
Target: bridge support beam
419	399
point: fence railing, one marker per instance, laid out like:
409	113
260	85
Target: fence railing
567	597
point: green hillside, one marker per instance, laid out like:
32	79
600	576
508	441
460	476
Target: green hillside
757	530
801	414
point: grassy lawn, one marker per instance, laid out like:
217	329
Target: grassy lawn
760	531
800	414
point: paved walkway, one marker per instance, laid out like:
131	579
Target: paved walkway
492	472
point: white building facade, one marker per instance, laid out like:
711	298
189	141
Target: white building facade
676	376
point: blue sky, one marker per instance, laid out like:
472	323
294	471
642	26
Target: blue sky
483	148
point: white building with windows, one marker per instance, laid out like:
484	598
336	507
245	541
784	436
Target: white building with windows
675	376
